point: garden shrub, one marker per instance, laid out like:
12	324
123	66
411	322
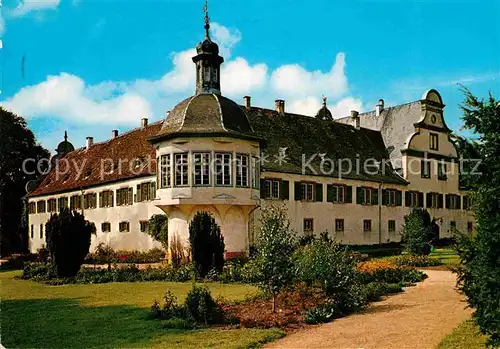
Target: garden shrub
201	306
373	291
207	243
384	270
104	254
325	312
158	229
178	256
38	271
68	240
416	261
18	261
327	265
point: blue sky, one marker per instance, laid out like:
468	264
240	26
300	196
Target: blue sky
93	66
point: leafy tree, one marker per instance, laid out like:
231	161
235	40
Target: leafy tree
479	277
68	241
325	263
158	229
17	144
273	264
207	243
419	229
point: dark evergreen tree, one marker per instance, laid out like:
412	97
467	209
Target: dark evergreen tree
158	229
419	229
207	243
479	278
17	144
68	241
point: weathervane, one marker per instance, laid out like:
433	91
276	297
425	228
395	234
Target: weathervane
207	19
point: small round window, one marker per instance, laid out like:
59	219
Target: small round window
433	119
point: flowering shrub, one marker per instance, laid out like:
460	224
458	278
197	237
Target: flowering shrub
385	270
106	255
416	261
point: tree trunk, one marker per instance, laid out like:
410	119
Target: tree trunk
275	302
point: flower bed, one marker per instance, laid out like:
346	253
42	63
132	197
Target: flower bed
386	271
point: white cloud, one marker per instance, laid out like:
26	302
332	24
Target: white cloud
238	77
225	37
27	6
294	80
65	96
310	106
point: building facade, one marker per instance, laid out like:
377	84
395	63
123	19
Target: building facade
355	177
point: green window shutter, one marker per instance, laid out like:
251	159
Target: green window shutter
262	188
385	197
407	198
399	198
319	192
329	193
375	196
112	198
359	195
285	190
101	196
440	201
348	194
152	196
138	195
459	202
420	199
447	201
428	200
297	191
130	195
464	203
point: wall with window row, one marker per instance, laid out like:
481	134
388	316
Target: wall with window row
358	205
134	212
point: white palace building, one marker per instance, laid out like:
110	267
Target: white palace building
355	177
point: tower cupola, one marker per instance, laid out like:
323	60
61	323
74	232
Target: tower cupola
207	62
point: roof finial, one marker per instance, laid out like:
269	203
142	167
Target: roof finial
207	20
324	100
65	136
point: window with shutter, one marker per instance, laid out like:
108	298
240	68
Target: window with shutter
285	190
297	191
399	198
348	194
336	193
319	192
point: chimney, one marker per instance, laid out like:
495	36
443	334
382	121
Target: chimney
248	103
90	141
280	106
144	122
115	133
379	107
355	119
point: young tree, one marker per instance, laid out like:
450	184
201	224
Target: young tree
479	278
68	240
207	243
158	229
418	231
274	264
17	144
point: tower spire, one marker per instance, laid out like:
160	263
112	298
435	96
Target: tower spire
207	61
207	20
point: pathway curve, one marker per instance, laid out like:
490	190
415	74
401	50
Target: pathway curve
417	318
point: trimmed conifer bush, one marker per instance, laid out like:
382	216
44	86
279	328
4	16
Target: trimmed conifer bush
207	244
68	241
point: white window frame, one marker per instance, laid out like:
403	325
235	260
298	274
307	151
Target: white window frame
242	170
255	172
307	190
367	196
165	171
338	194
201	166
181	165
223	169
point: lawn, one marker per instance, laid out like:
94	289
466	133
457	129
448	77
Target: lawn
108	316
447	256
465	336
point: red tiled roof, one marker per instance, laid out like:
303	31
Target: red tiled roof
126	156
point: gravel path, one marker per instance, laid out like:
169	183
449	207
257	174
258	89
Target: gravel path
417	318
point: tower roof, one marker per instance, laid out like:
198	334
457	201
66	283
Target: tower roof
65	146
324	113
